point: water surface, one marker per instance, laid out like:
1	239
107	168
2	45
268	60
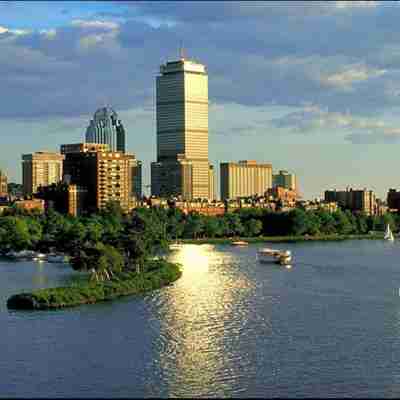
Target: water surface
329	326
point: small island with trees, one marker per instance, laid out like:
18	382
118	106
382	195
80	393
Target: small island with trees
124	254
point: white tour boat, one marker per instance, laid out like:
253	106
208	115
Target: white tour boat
240	243
282	257
39	257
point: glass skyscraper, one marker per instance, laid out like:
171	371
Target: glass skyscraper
182	166
106	128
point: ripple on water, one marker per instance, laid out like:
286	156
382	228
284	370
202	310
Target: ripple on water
228	327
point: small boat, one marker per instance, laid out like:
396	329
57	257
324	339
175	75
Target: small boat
388	234
21	255
208	246
285	258
175	246
282	257
240	243
57	258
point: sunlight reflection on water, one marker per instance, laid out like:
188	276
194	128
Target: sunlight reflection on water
204	314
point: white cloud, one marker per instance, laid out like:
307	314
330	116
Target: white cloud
18	32
351	74
105	25
362	129
49	33
346	4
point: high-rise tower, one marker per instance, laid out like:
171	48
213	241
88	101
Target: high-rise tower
182	166
106	128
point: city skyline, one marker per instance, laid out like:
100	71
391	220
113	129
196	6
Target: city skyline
323	107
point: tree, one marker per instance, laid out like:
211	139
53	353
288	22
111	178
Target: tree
211	227
144	235
233	225
327	222
14	234
389	219
298	222
35	231
252	227
193	226
362	223
71	238
102	260
175	223
94	229
342	224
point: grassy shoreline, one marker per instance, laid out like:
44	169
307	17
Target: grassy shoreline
161	274
283	239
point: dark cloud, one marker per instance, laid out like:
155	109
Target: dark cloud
284	53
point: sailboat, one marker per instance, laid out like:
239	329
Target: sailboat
388	234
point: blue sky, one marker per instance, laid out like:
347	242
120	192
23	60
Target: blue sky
312	87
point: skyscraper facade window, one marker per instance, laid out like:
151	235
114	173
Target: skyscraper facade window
182	131
106	128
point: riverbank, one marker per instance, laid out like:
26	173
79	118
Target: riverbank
159	274
283	239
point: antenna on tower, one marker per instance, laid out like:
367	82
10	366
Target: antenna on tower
181	51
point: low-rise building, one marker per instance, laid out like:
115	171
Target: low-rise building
287	197
244	179
354	200
32	204
203	208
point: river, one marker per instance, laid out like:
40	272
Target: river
329	326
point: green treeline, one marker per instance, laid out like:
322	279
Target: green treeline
253	223
105	243
119	250
129	240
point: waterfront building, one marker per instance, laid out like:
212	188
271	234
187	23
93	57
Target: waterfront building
106	175
182	131
354	200
40	169
393	200
287	197
3	184
244	179
285	179
106	128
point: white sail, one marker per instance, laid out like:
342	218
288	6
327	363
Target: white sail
388	234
